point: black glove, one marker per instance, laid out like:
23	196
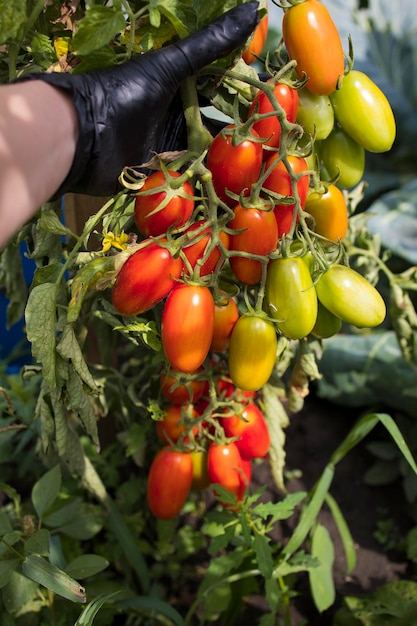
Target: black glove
127	112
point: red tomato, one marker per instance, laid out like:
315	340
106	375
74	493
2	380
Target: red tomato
158	211
196	251
169	482
279	182
226	387
330	213
180	390
225	468
251	428
177	421
312	39
145	278
257	42
226	315
234	167
260	236
270	127
187	326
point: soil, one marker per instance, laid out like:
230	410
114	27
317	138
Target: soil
312	437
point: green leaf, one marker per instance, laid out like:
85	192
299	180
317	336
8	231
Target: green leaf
5	524
280	510
84	281
321	579
277	420
46	490
49	220
40	327
43	572
7	567
10	539
92	608
38	543
63	514
86	565
151	606
97	28
88	522
80	403
18	592
382	473
43	53
344	532
12	17
263	553
13	280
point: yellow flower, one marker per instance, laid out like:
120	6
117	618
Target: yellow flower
110	240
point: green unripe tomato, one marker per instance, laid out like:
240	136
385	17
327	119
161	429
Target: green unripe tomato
364	112
326	324
349	296
315	114
290	296
342	155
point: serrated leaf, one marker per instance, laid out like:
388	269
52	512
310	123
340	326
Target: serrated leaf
86	565
50	222
321	578
86	280
79	401
43	51
12	17
263	554
98	27
69	348
46	490
277	420
40	327
280	510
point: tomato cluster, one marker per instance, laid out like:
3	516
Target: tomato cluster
243	246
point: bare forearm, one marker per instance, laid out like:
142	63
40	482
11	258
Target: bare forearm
38	133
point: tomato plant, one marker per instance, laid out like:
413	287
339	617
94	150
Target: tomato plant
342	156
252	352
234	167
326	324
330	213
177	390
364	112
259	235
169	482
145	278
279	182
200	236
315	114
225	468
226	314
176	422
349	296
290	296
251	429
269	128
312	39
187	326
227	389
157	211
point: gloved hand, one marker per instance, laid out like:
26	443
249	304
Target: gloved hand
127	112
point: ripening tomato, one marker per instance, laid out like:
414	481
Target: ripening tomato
251	429
279	182
187	326
363	111
257	43
259	236
226	314
342	156
225	468
269	128
200	470
201	238
146	277
169	482
290	296
176	422
228	390
330	213
157	211
315	114
252	352
234	167
180	389
326	324
348	295
312	39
